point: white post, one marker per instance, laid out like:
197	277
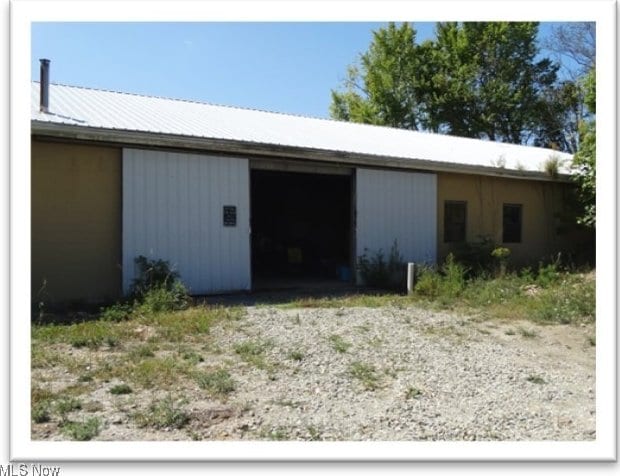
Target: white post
410	277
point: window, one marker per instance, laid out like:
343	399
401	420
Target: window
512	219
454	221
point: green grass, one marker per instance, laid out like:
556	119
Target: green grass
338	343
366	374
296	355
253	352
83	430
160	414
549	296
41	412
413	392
121	389
157	372
218	383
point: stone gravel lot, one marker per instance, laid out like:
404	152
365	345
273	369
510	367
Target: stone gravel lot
379	374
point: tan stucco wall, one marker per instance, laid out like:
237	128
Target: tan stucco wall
76	222
542	205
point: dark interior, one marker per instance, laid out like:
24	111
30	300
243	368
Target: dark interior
300	225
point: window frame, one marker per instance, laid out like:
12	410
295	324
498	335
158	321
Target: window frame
447	239
518	206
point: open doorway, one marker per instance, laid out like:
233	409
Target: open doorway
301	228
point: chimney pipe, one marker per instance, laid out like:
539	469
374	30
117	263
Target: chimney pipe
45	85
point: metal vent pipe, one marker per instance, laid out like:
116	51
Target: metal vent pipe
45	85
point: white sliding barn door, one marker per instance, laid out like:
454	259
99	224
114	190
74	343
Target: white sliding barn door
173	210
399	206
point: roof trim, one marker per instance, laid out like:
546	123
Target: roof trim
136	138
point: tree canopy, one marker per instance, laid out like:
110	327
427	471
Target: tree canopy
482	80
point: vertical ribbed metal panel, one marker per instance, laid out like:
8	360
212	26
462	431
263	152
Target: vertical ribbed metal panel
397	206
173	210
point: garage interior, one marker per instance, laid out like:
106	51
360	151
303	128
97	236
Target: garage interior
301	229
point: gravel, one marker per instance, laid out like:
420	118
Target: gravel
438	376
369	374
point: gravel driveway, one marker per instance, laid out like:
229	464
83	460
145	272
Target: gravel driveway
375	374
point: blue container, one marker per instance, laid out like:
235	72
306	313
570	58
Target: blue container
344	273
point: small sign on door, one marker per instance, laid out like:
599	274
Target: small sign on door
230	215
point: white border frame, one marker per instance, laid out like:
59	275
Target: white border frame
23	13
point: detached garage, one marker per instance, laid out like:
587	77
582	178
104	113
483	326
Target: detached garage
239	199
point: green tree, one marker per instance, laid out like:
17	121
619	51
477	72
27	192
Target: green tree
584	160
478	80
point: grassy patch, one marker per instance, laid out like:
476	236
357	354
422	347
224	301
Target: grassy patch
40	412
83	430
366	374
275	434
338	343
296	355
253	352
157	372
164	413
121	389
217	383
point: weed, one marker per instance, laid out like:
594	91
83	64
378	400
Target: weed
536	379
313	433
338	343
527	333
162	414
376	272
592	341
190	356
141	352
121	389
66	405
117	312
296	355
41	412
366	374
253	352
413	392
509	332
85	378
82	431
158	372
218	383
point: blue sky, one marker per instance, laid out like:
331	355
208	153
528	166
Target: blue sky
284	67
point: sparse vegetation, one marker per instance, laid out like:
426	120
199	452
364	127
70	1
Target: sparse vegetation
253	352
83	430
161	414
378	272
338	343
121	389
366	374
413	392
537	379
218	383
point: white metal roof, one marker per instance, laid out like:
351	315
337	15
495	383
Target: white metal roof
78	106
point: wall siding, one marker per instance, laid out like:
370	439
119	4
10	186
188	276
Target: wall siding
76	222
172	210
397	206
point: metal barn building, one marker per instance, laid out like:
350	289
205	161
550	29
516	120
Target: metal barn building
233	196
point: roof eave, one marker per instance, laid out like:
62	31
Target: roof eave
153	139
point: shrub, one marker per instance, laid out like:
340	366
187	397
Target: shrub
41	412
117	312
152	274
547	274
121	389
428	283
475	256
162	414
453	281
163	299
82	431
217	383
379	273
